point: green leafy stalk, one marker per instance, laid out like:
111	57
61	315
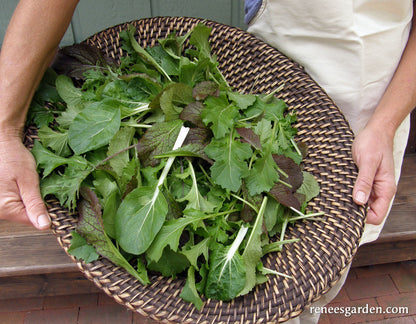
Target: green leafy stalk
252	253
227	275
143	211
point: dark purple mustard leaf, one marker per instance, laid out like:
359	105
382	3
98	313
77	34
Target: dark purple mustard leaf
201	136
194	144
285	196
247	213
76	59
293	170
303	148
192	113
157	140
248	136
204	89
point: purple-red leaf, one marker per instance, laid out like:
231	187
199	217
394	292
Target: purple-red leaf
285	196
249	137
74	60
192	113
157	140
294	172
205	89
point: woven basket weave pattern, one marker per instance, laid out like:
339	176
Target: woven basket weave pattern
326	247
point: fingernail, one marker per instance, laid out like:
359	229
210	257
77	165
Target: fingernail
44	221
360	197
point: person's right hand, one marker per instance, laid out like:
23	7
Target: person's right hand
20	198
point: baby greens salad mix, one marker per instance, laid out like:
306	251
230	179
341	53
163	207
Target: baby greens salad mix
171	170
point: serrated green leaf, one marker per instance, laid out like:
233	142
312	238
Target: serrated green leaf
262	175
64	186
66	118
199	38
57	141
170	234
310	187
48	161
194	252
230	165
81	250
241	100
220	115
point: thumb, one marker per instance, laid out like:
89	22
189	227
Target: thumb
35	207
364	182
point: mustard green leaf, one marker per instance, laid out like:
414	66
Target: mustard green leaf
48	161
81	250
93	128
55	140
157	140
220	115
230	165
262	175
68	92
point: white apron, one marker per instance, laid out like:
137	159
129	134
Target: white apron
350	48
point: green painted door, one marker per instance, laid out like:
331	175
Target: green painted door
92	16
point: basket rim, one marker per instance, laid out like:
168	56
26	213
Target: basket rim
123	287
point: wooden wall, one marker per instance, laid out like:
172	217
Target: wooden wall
92	16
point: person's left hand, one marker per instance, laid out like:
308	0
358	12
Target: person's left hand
372	152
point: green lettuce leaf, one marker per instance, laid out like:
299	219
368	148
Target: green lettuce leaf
93	127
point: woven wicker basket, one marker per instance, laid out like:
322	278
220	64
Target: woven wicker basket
326	247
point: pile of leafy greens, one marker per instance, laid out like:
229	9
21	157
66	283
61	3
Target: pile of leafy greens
169	169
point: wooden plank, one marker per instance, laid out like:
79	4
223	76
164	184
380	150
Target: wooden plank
36	254
55	284
387	252
401	223
10	229
397	240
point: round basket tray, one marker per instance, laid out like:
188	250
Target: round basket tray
325	248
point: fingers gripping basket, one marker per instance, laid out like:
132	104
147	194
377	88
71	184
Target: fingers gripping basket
326	247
